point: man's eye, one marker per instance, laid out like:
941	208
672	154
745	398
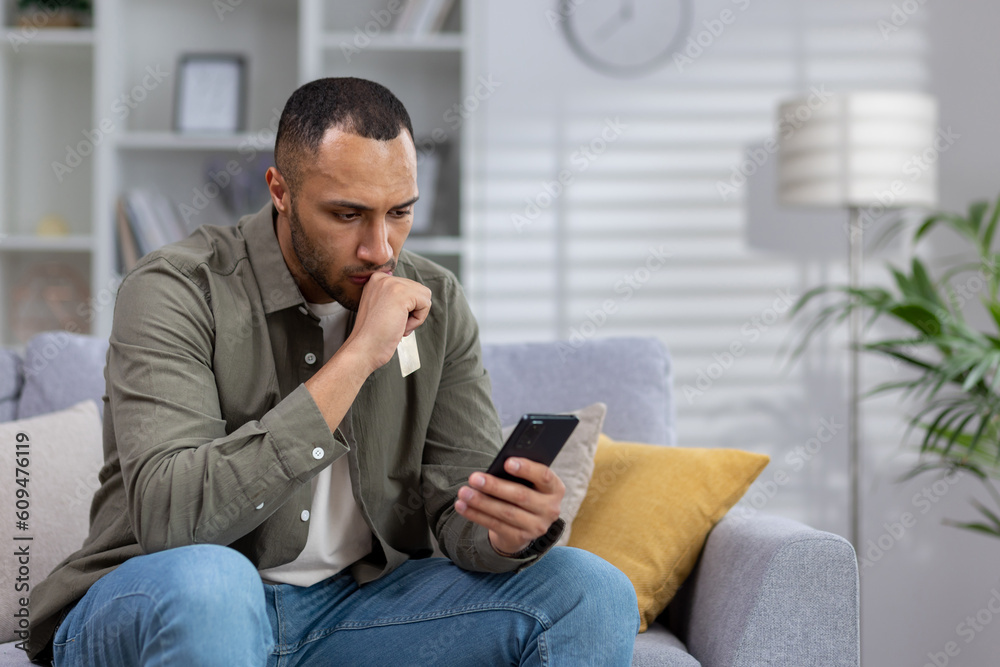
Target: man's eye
346	216
403	212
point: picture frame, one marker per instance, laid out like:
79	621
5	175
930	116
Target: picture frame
210	97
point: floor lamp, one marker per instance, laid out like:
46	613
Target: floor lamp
866	152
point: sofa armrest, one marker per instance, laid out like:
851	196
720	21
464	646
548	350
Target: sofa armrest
771	591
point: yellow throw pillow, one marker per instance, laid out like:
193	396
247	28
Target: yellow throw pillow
649	509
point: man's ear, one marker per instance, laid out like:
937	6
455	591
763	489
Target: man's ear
278	188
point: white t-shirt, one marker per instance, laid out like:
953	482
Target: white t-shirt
338	534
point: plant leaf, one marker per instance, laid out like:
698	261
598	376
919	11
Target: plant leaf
977	372
904	284
918	317
991	228
978	527
986	510
923	286
959	430
977	210
956	222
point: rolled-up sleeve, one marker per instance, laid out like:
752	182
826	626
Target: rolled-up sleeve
186	479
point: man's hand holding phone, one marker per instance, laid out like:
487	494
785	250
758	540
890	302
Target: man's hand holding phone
518	498
514	513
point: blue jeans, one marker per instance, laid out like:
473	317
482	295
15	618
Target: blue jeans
206	605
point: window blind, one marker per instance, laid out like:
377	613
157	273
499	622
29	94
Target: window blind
549	255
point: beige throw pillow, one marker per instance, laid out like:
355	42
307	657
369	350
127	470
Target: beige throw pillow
49	466
650	508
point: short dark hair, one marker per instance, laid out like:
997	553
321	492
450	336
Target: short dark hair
358	106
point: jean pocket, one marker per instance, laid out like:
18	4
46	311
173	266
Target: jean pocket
63	641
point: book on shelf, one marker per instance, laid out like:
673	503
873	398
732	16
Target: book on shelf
147	220
128	250
428	173
423	17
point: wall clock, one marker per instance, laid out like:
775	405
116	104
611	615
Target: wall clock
625	38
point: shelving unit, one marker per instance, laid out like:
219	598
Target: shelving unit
455	42
167	141
57	36
26	243
62	84
48	80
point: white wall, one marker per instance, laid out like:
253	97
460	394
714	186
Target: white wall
921	598
937	583
656	186
965	54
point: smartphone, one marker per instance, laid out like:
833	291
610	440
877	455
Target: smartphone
536	437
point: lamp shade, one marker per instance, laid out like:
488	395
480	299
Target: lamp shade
859	149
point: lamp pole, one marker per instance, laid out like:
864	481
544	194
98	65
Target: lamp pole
855	268
843	155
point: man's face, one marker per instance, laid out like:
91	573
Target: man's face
349	214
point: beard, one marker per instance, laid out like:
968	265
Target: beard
315	260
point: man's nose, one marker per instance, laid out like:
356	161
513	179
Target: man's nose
375	248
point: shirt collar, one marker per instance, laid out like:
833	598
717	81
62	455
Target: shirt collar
278	289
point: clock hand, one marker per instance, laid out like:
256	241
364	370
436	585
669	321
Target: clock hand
608	28
616	21
625	13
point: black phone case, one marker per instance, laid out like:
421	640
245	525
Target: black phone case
538	437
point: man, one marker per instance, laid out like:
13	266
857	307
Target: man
272	479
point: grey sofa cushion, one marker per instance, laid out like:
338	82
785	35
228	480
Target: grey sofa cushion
61	369
11	379
630	375
657	647
11	656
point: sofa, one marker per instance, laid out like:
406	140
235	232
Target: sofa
765	590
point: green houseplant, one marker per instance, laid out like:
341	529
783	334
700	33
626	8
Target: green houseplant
52	13
954	368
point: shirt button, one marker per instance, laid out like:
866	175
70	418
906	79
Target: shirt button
318	453
305	515
310	358
260	507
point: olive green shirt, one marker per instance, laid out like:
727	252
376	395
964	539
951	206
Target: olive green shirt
210	435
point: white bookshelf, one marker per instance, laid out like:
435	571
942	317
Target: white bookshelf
34	243
335	41
48	37
62	83
48	80
172	141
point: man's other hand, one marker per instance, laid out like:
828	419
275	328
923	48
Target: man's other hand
514	514
391	307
